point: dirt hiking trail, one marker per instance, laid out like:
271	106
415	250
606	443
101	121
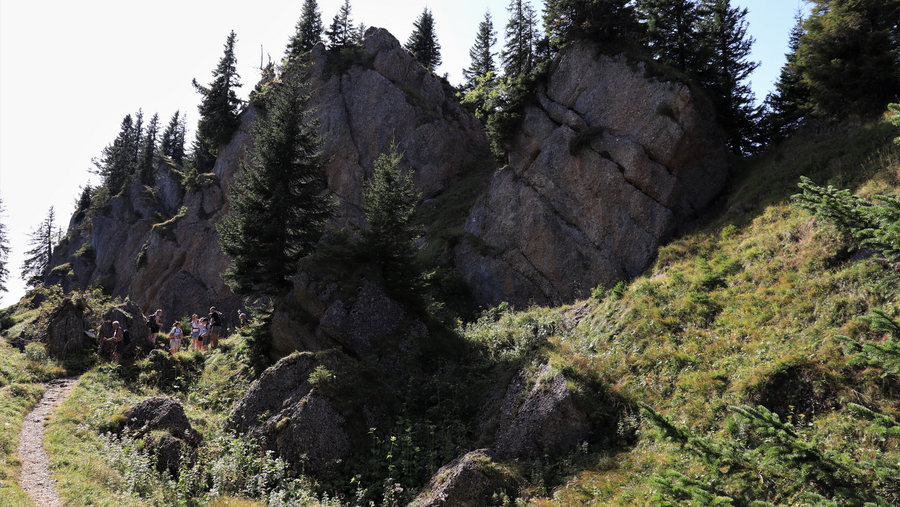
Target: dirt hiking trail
35	476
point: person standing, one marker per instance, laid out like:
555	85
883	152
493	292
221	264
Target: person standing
118	339
175	336
245	323
205	332
154	324
195	332
215	322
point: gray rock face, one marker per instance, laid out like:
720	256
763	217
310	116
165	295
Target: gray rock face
65	334
389	98
162	250
167	415
358	324
535	416
469	481
283	412
604	169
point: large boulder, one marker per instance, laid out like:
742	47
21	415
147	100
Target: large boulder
65	333
469	481
284	412
166	431
606	165
535	415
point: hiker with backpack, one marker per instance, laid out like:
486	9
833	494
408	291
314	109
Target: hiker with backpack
119	338
205	332
154	322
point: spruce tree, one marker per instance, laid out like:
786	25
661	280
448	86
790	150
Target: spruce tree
172	142
786	105
37	260
341	32
672	32
118	160
600	21
727	72
278	209
220	105
423	43
482	53
389	243
517	56
148	150
4	251
848	56
309	30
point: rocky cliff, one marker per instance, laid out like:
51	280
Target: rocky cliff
160	247
606	165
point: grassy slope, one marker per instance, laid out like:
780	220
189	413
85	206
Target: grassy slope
744	311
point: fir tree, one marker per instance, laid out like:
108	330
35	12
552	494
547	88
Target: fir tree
517	56
673	32
148	150
37	260
482	53
172	143
423	43
595	20
341	32
220	104
726	75
202	159
4	251
278	210
118	161
848	56
309	30
786	106
390	204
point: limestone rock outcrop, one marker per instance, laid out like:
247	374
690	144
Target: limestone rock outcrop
535	415
469	481
160	247
606	165
153	415
285	414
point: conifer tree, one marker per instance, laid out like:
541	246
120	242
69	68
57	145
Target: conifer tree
37	260
4	251
202	159
423	43
482	53
727	72
390	204
148	150
341	32
517	56
309	30
278	210
220	104
672	32
848	56
172	142
118	160
786	105
595	20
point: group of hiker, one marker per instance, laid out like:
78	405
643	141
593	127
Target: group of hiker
204	332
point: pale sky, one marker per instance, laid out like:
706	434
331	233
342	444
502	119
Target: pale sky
71	71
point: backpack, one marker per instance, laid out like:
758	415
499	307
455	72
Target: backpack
126	337
151	320
214	318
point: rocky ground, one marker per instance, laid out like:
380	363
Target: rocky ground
35	475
